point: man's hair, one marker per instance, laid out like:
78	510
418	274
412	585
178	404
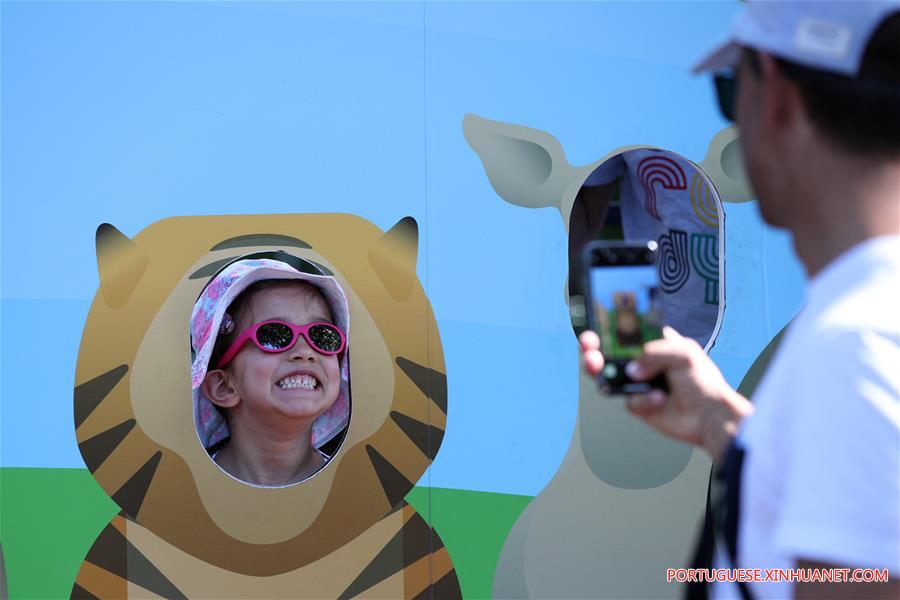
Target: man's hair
861	114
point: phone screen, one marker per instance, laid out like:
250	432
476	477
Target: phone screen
625	307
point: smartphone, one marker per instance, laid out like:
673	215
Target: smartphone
623	305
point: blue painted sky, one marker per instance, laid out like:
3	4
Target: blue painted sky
129	113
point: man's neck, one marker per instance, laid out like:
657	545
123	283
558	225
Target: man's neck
846	203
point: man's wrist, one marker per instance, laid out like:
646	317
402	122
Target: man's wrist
721	421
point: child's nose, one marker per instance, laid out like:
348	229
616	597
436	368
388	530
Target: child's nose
301	350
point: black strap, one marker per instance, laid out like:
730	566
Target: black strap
703	554
728	506
721	521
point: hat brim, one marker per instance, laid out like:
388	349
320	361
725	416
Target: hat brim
724	56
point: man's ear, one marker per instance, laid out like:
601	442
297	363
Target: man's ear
782	101
219	388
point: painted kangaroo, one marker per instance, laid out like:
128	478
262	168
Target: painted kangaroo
626	502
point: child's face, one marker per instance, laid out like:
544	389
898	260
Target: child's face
296	383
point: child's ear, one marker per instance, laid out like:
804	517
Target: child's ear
218	387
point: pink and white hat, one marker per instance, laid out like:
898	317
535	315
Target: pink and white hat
206	320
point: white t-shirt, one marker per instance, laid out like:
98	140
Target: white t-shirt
821	470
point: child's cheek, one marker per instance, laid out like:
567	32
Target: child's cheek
334	371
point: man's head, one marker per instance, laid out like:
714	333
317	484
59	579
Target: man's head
814	78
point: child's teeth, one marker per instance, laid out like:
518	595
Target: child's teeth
306	382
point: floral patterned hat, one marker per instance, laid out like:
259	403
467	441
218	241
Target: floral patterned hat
206	320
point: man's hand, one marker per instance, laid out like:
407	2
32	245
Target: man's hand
700	407
590	350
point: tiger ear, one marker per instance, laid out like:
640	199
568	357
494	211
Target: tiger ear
120	262
393	257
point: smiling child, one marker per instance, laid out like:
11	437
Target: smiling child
271	370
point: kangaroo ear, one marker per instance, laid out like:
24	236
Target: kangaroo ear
120	262
525	166
724	165
393	257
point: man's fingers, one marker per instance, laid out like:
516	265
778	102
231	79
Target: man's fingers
659	357
590	348
669	333
644	405
593	361
589	340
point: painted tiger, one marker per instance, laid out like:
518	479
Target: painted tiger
188	530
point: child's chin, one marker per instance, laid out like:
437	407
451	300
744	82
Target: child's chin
307	406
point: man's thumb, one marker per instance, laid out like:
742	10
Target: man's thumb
670	334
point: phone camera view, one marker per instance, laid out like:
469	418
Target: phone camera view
626	308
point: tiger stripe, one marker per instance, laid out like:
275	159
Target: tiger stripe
97	449
445	588
431	383
78	593
426	437
113	554
131	495
210	269
412	543
97	582
325	270
260	239
421	574
91	393
393	482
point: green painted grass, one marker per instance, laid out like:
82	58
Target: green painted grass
48	520
50	517
473	526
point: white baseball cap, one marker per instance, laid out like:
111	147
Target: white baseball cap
829	36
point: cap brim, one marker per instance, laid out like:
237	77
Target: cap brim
724	56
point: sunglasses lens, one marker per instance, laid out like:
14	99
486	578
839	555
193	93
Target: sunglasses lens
274	336
726	90
325	337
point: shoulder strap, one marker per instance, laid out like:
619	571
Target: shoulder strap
703	553
728	506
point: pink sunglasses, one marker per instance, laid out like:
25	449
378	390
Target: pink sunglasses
278	336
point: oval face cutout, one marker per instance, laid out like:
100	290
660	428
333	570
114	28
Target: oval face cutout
270	381
644	195
650	194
